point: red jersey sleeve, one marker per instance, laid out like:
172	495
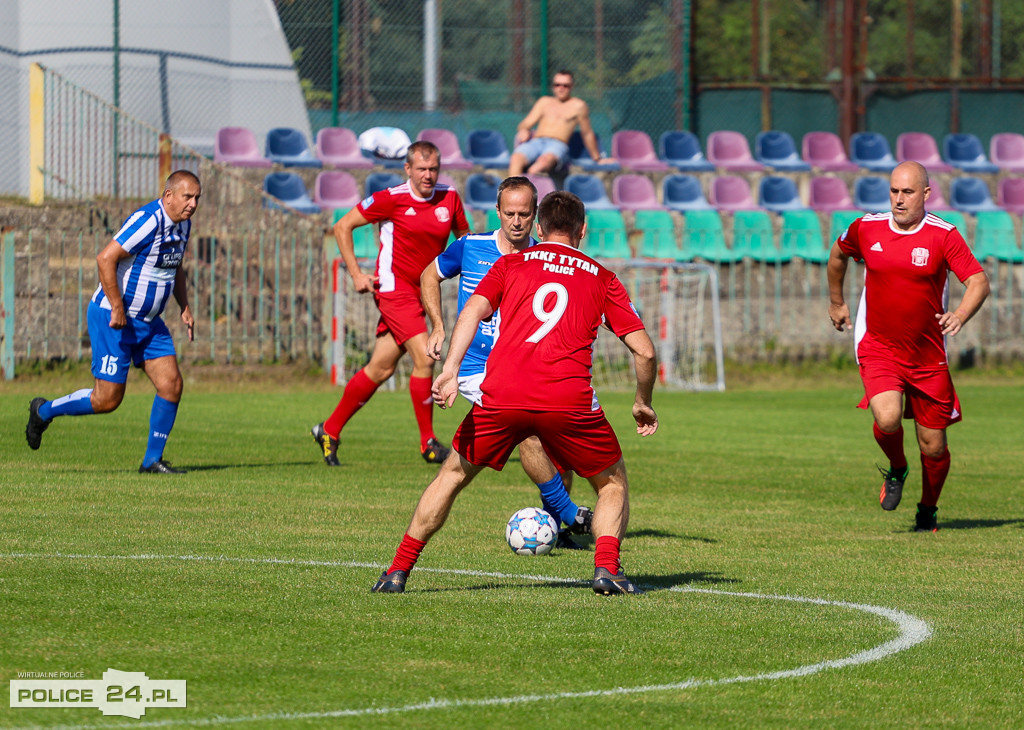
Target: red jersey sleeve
849	240
619	313
492	286
459	221
959	258
377	207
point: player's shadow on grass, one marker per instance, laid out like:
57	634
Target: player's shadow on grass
219	467
648	582
662	533
975	524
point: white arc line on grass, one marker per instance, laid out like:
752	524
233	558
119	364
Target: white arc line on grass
912	632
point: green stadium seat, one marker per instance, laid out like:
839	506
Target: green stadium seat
658	238
704	237
606	235
955	217
995	237
752	237
493	222
841	220
364	238
801	236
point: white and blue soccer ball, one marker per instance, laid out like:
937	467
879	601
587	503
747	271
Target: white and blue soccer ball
531	531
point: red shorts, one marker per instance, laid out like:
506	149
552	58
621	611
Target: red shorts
401	314
928	395
581	441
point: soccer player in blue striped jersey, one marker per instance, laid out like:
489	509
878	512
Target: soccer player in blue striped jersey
470	258
139	270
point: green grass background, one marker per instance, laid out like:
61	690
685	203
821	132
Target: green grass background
771	490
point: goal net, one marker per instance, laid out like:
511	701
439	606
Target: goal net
678	303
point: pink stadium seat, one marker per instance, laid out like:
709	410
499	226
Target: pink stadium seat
543	183
825	151
634	150
920	147
731	151
1006	150
829	194
936	200
237	146
731	192
634	192
336	189
1010	194
448	144
338	147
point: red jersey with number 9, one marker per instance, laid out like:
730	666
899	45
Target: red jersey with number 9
552	299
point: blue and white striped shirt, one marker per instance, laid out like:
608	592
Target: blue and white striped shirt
146	278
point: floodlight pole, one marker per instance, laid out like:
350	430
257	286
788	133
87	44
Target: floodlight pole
117	93
430	50
335	20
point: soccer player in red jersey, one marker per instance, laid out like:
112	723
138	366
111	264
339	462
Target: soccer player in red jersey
538	383
901	329
416	218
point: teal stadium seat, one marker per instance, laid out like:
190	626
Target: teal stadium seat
955	217
841	220
753	237
995	238
704	237
801	236
492	220
606	235
364	238
658	238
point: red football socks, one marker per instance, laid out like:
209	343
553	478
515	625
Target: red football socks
892	446
358	390
933	477
606	554
407	554
423	407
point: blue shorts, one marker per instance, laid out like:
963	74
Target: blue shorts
115	351
534	148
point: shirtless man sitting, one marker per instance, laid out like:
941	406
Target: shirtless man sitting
555	118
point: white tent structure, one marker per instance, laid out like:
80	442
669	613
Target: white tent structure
187	68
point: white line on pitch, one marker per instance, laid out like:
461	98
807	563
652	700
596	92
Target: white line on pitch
912	632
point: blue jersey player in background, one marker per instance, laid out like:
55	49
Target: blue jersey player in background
139	270
471	257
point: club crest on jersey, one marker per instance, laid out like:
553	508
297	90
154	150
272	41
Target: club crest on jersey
919	256
442	214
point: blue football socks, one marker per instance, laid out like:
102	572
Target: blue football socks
73	404
556	501
161	421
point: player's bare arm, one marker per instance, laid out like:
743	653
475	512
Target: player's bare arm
645	362
430	293
181	297
346	246
524	130
838	310
107	262
446	386
978	289
589	138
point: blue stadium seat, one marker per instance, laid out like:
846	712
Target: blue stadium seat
971	194
482	191
871	193
487	148
377	181
590	190
681	149
288	188
683	192
777	149
778	193
871	151
579	156
964	152
288	147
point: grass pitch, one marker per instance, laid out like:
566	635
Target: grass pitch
249	577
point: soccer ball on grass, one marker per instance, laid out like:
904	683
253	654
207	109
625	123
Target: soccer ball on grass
531	531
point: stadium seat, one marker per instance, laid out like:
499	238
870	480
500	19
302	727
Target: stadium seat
871	193
446	141
840	221
580	157
704	237
288	188
364	238
377	181
920	147
633	150
1010	194
606	235
731	192
335	189
970	195
487	148
338	147
482	191
658	238
634	192
829	193
590	190
801	237
870	150
824	151
543	183
936	200
237	146
683	192
681	149
731	151
995	237
955	217
776	149
777	193
752	237
1006	151
964	152
288	147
